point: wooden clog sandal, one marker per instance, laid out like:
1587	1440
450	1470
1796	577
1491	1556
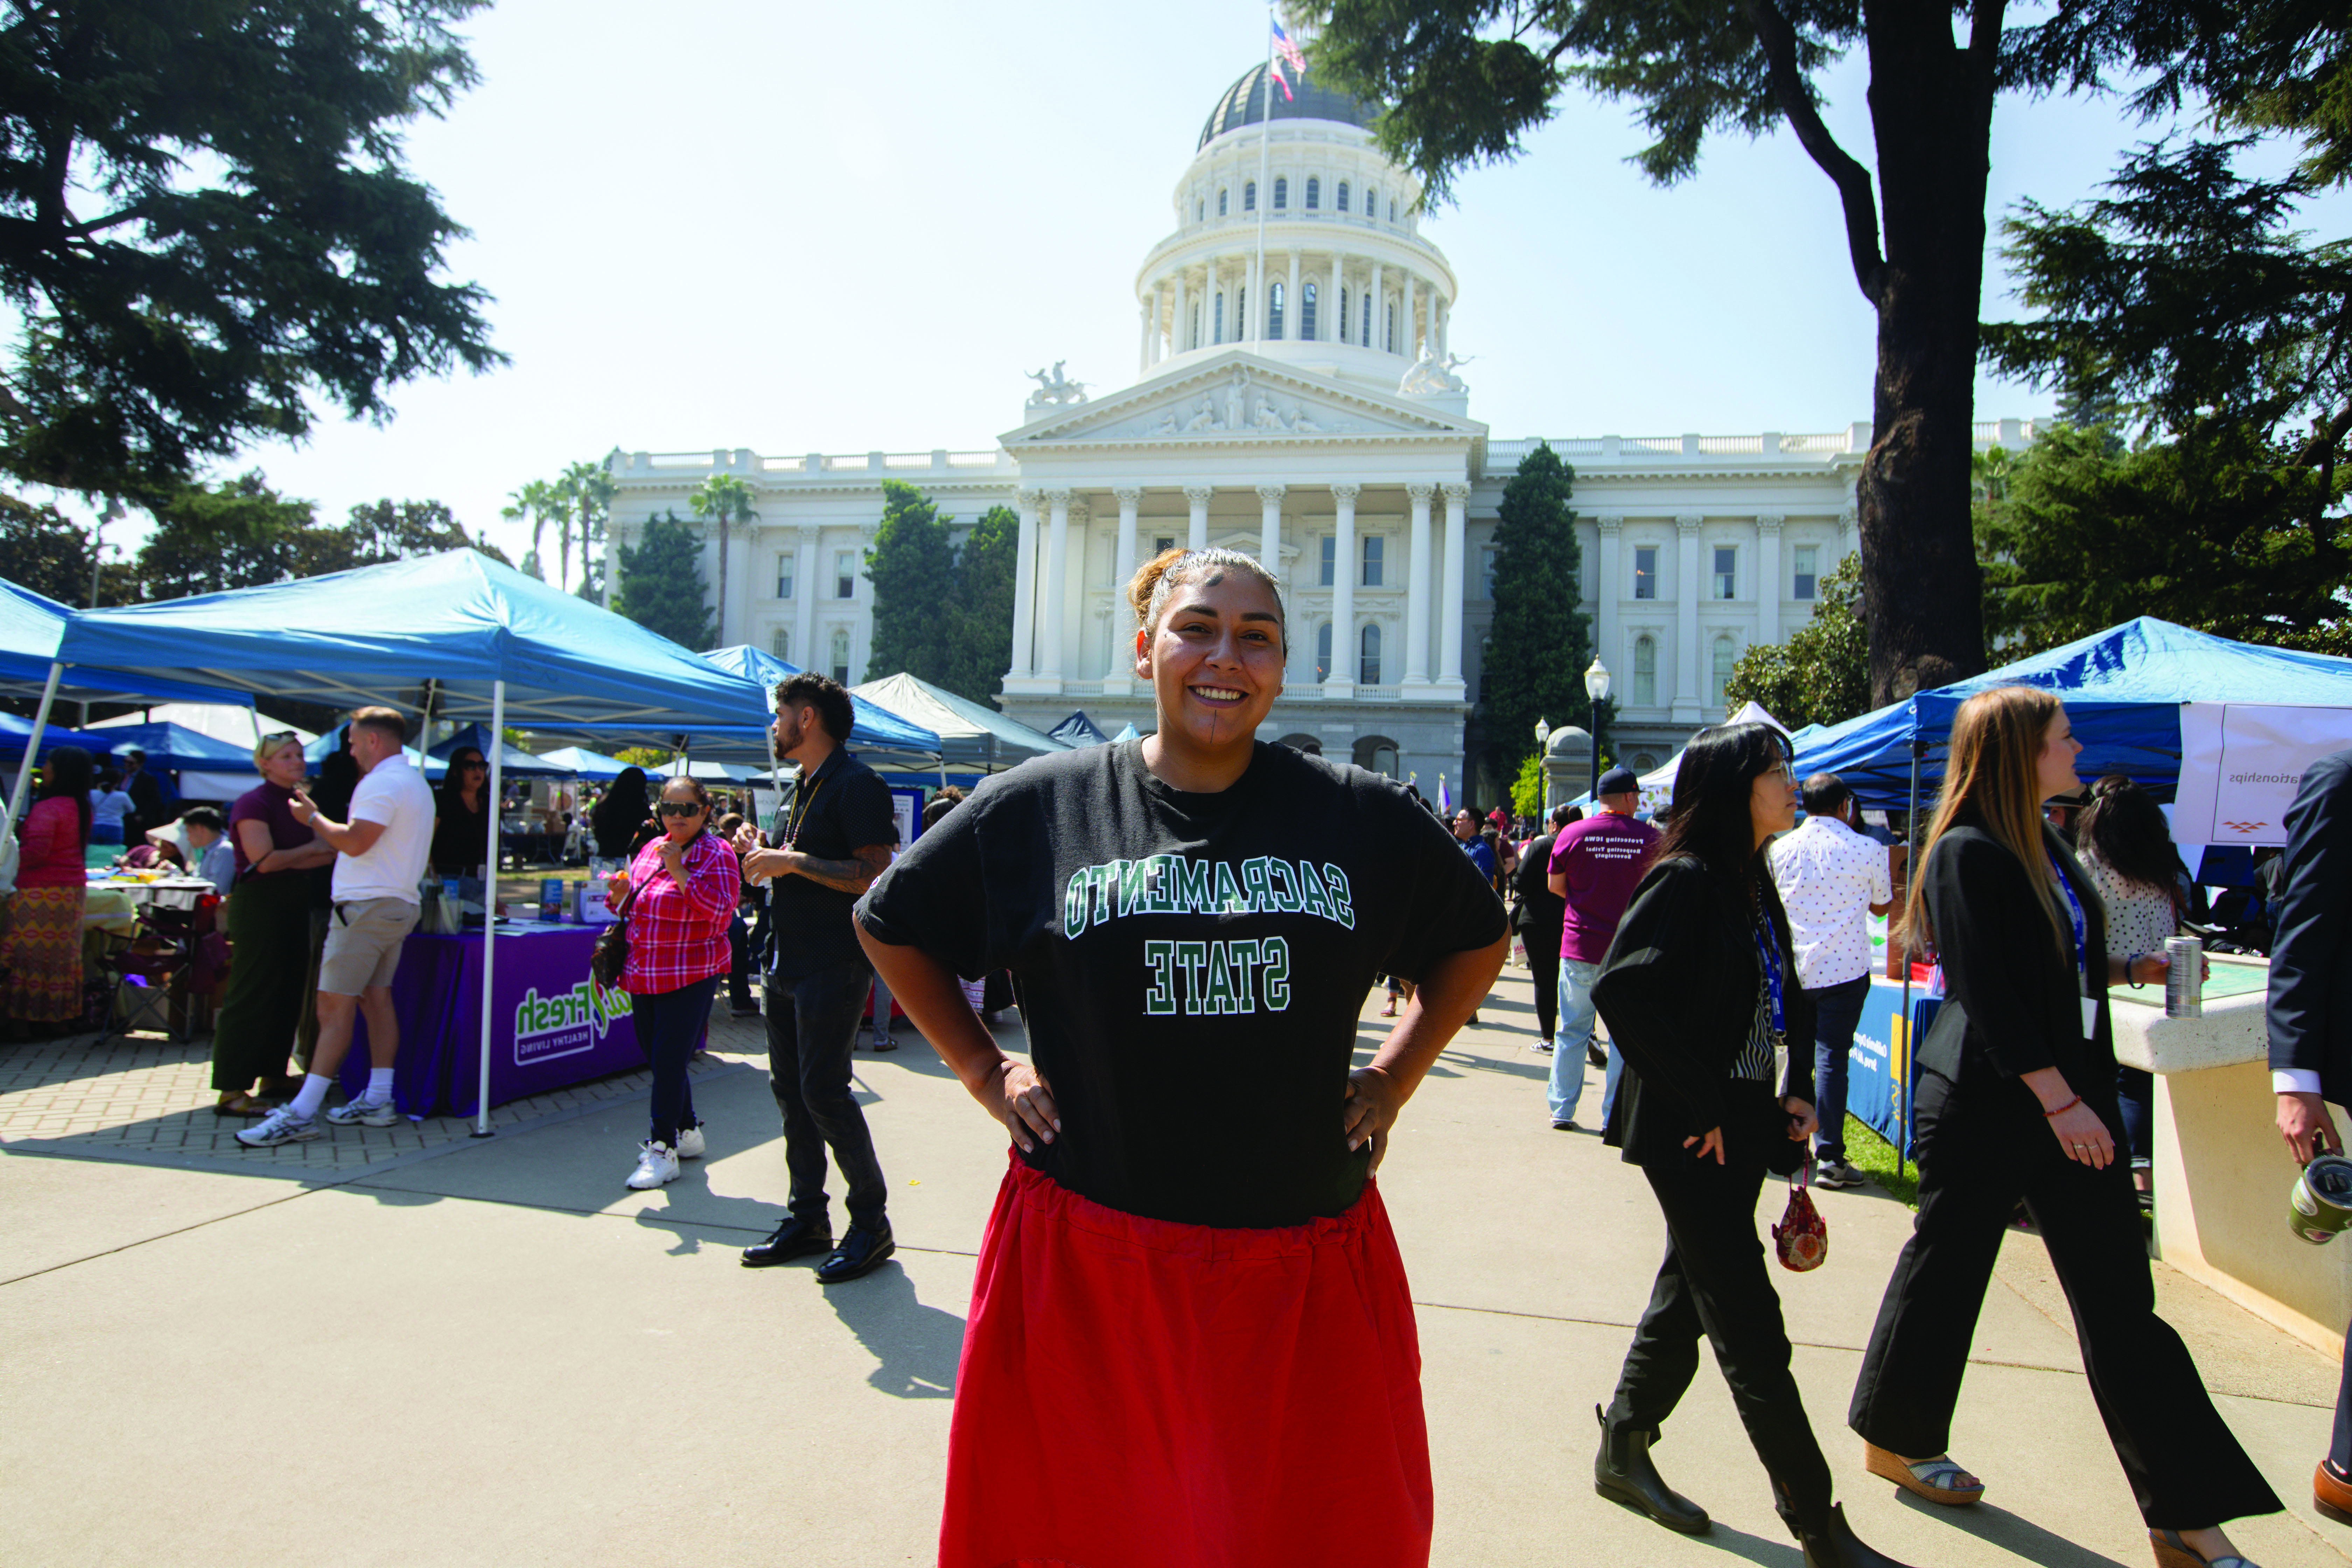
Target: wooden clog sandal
2171	1551
1938	1479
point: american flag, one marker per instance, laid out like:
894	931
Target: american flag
1288	50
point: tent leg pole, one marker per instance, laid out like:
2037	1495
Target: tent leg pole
498	751
33	746
1910	1044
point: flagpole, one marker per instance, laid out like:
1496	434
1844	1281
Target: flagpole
1264	190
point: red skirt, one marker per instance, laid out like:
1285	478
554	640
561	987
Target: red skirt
1137	1394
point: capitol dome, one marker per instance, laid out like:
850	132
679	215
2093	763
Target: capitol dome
1243	103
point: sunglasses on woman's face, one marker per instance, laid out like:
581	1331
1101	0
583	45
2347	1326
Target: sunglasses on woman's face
475	764
678	808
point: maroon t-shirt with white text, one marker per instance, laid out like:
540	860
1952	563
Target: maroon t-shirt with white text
1603	857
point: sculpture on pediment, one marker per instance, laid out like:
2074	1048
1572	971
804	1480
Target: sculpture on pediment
1265	415
1056	389
1204	417
1431	377
1233	406
1168	423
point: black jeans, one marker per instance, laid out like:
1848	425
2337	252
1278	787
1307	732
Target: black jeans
671	1025
739	967
1836	1010
1979	1152
812	1027
1543	965
1713	1281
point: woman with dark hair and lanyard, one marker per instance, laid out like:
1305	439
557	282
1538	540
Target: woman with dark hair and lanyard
1700	989
1190	1337
461	818
2017	1099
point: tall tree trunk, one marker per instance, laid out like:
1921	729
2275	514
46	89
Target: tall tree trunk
723	576
1931	108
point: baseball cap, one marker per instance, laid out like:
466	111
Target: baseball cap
1617	781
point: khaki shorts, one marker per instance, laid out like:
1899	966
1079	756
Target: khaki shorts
363	940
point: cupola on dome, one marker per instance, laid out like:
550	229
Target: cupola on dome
1243	103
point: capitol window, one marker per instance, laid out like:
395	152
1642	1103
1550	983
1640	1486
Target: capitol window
1343	196
1720	676
1219	324
1371	201
1281	193
784	564
1314	193
844	574
1374	547
1806	559
1331	559
1343	315
1645	672
1727	571
1645	570
1323	650
781	644
841	655
1163	544
1274	312
1307	312
1486	571
1249	196
1368	664
1200	215
1221	204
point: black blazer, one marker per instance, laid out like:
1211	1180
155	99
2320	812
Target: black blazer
1540	908
2011	990
2310	1007
1678	990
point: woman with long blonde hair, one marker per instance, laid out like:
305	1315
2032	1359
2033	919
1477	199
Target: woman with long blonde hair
2016	1099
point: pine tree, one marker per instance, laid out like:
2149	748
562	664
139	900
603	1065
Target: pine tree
1540	642
661	585
982	625
912	567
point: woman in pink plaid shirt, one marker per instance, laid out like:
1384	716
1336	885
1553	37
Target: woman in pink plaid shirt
681	888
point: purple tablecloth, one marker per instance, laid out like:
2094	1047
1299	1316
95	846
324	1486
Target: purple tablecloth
552	1024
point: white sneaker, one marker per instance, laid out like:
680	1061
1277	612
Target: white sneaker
1837	1174
281	1126
657	1167
362	1113
689	1142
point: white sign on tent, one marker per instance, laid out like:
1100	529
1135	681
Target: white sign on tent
2240	763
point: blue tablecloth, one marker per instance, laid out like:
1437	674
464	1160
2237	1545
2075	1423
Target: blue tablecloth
1880	1080
552	1024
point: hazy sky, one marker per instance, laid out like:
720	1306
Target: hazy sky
802	227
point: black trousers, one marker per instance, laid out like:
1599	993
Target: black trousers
811	1027
1979	1152
1543	963
1715	1282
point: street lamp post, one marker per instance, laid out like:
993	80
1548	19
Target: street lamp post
1596	686
1543	738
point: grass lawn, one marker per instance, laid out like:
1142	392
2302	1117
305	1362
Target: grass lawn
1873	1157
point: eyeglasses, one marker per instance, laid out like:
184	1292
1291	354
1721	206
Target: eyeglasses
678	808
475	763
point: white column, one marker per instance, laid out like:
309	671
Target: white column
1196	532
1294	304
1848	533
1416	590
1605	595
1340	681
1269	548
1376	301
1327	318
1209	333
1050	615
1118	675
1252	298
1457	588
1405	337
1686	688
805	577
1074	588
1144	312
1767	579
1445	313
1176	344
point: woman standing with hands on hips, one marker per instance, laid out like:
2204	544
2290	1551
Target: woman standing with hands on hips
1190	1337
681	891
2017	1099
1700	991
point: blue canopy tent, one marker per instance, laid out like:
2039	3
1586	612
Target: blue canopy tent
30	627
333	740
15	734
874	727
2122	688
970	736
175	748
455	635
1077	729
579	762
512	760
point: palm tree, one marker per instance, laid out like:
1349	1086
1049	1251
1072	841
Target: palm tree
728	500
586	492
536	501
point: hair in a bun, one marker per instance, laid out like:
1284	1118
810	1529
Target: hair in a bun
1156	579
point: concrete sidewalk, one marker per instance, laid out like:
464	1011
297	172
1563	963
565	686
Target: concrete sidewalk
491	1352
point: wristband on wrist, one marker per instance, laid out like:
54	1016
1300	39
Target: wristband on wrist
2062	1110
2129	964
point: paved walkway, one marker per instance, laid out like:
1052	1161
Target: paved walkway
417	1348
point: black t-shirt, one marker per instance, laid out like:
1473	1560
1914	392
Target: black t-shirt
832	813
1191	966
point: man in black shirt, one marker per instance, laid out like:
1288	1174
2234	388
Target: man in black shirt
828	847
1538	917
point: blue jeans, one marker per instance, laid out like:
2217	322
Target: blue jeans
671	1025
1836	1010
1576	1015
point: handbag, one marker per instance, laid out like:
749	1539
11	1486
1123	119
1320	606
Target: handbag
1803	1236
612	952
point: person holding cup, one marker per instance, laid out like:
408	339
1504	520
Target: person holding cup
678	896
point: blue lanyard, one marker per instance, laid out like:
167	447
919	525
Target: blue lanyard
2075	906
1768	948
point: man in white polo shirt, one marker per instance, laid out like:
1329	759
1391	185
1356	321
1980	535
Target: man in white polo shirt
1832	880
379	857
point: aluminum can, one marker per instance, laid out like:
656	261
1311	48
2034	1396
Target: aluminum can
2184	977
2321	1202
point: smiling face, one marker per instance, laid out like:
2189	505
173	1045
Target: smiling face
2055	768
1215	660
1466	824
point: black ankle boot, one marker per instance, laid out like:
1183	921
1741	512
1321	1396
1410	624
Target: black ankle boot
1835	1545
1621	1472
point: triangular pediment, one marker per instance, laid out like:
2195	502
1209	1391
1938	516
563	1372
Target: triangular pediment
1237	398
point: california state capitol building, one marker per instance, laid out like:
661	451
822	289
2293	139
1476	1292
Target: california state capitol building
1306	410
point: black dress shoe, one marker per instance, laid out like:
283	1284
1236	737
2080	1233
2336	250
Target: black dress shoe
795	1237
1596	1057
863	1248
1623	1472
1835	1545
